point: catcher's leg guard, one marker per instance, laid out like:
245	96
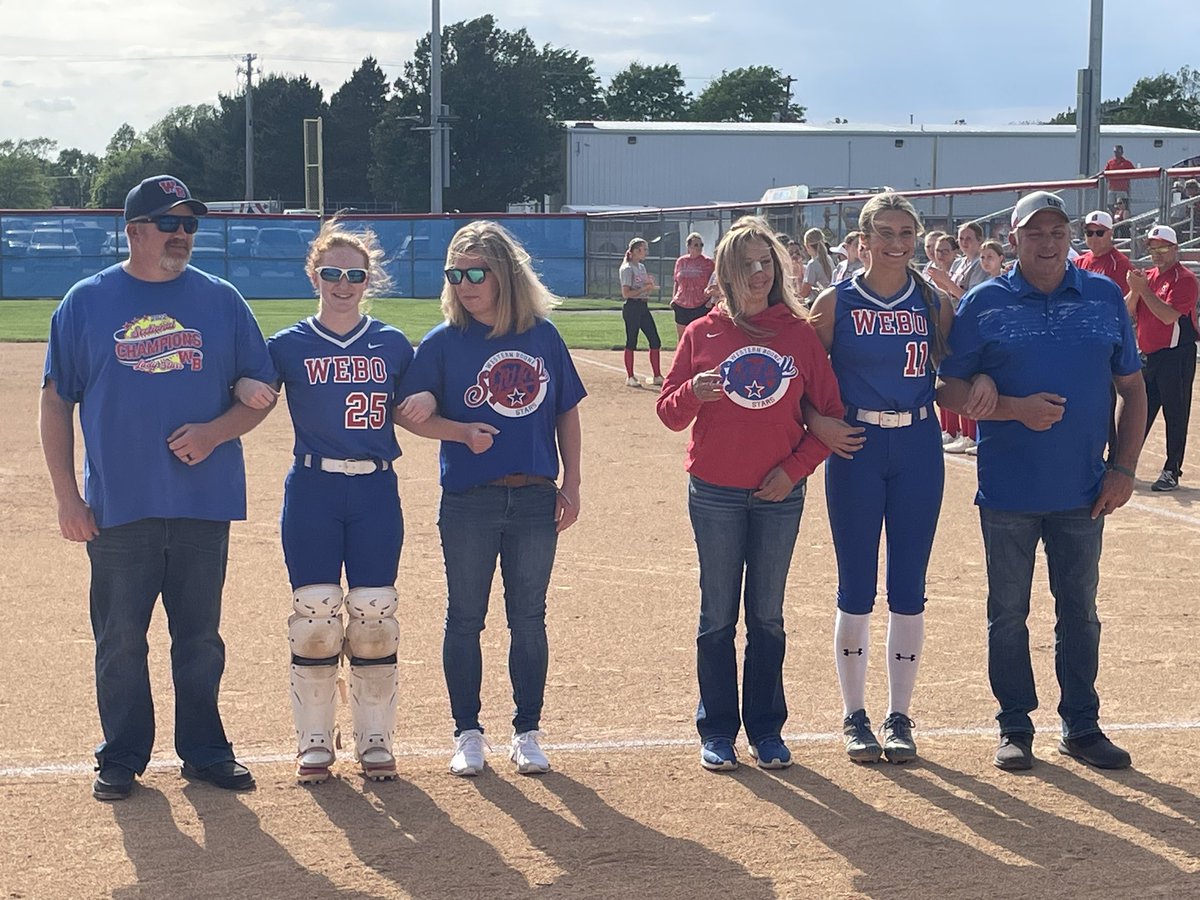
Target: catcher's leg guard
372	637
315	635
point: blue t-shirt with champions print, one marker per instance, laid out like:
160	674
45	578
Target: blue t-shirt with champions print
518	383
141	359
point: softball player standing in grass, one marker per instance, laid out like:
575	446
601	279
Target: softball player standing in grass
739	375
885	328
341	369
636	286
507	395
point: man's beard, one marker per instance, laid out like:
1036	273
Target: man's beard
174	263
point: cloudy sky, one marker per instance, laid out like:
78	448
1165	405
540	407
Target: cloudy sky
75	70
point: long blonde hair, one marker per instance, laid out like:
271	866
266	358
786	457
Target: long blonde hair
822	254
734	282
521	301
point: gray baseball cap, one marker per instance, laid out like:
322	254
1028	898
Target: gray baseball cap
1034	203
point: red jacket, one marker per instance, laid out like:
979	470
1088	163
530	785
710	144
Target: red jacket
758	424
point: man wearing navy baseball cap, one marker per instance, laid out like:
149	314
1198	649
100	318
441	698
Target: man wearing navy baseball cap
1163	303
148	349
1052	338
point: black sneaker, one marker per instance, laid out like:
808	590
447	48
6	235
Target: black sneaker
228	774
1015	752
1095	750
861	745
1167	481
898	744
112	783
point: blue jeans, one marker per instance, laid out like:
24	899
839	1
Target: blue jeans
184	561
737	534
477	526
1073	541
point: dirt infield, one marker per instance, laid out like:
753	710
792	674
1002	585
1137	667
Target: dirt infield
627	812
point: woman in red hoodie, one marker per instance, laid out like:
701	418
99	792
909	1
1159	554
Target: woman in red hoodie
740	374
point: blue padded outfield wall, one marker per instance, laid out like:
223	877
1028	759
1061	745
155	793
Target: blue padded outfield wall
43	253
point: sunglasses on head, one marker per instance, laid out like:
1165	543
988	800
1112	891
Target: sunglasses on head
333	274
1094	232
473	275
170	224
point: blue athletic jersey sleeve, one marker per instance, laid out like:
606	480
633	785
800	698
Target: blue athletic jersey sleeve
142	359
881	346
341	388
518	383
1071	343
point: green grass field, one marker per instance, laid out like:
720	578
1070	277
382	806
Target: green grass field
585	324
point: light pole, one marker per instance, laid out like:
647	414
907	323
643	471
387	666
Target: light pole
435	110
1087	116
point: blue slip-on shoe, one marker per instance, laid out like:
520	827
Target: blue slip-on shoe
718	755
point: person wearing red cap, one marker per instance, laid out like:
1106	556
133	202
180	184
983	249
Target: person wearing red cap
1163	303
148	349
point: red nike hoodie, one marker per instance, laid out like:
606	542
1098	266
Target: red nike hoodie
757	424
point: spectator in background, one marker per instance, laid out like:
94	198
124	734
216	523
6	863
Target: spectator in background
1118	185
690	299
636	287
1163	304
930	245
852	262
991	258
965	273
818	271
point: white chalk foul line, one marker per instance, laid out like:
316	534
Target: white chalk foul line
603	746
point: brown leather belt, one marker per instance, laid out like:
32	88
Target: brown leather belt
516	481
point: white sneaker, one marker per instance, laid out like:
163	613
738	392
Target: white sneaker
632	381
656	381
960	445
947	437
973	450
528	755
468	753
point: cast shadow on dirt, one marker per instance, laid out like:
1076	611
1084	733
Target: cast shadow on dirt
237	858
1085	860
400	833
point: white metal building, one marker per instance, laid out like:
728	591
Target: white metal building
665	164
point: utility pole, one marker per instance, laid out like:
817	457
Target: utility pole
248	71
435	110
785	114
1087	116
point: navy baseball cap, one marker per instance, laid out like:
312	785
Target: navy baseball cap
158	193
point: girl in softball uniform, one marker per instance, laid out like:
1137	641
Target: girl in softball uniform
636	287
507	395
738	378
340	370
884	329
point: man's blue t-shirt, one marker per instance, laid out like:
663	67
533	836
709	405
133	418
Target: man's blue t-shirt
1071	343
519	383
141	359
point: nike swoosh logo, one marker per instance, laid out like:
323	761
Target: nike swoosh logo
711	335
374	346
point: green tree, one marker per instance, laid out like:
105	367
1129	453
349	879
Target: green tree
354	111
1168	101
755	94
23	184
641	93
72	175
505	143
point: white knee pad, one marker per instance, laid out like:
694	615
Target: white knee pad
314	705
372	632
315	628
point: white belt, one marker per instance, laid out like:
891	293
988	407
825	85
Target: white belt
891	418
345	466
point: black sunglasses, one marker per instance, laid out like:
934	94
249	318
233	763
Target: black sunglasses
1095	232
170	224
333	274
474	275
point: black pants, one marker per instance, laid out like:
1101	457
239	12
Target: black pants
636	314
1169	375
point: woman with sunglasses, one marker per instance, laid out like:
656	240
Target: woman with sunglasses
692	298
636	287
738	379
341	370
507	397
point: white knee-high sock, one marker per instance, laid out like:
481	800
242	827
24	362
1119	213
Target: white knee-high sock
850	635
906	636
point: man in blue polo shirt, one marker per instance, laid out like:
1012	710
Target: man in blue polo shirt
149	349
1053	338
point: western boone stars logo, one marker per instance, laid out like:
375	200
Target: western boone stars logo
512	383
156	344
757	377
